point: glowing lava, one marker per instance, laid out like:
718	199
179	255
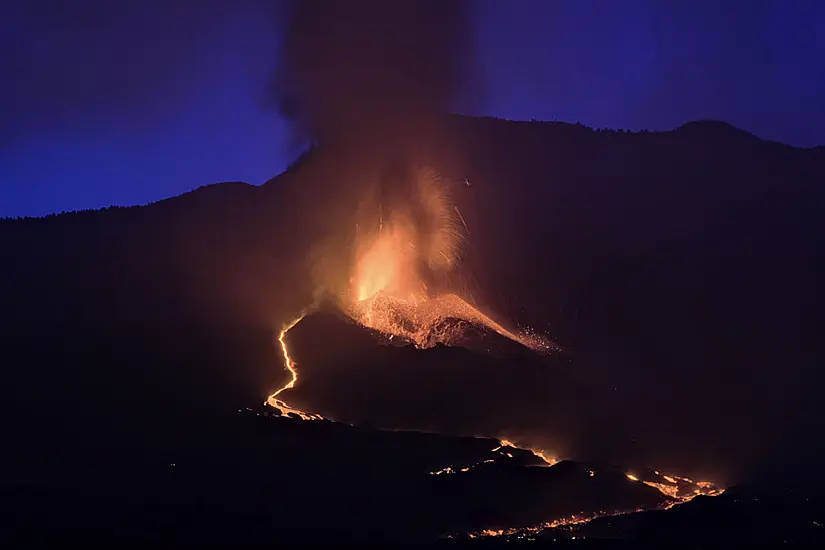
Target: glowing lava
679	490
502	452
396	267
548	460
289	363
397	264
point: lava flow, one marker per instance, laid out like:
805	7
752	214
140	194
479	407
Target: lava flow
679	490
503	451
273	400
394	268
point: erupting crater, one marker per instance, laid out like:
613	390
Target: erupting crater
397	265
396	277
399	255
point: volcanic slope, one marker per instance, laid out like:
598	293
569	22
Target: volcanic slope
466	388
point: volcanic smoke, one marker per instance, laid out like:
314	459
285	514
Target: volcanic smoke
372	76
370	79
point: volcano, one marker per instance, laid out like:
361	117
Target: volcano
335	377
680	273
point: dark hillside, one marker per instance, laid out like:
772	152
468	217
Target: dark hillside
692	255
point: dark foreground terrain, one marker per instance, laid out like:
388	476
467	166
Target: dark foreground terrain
182	467
270	480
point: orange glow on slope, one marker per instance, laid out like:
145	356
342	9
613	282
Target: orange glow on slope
549	460
501	453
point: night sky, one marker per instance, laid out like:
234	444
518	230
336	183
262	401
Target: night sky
123	103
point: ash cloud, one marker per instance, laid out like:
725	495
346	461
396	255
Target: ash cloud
369	72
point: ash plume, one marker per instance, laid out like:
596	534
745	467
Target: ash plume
370	73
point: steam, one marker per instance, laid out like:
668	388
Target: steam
370	73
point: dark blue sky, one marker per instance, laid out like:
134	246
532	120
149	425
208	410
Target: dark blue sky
129	103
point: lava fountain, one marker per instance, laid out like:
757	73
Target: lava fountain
403	256
401	266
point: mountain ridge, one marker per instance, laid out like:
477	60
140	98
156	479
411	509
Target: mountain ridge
705	126
670	267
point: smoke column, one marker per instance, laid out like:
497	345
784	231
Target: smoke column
369	81
367	74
